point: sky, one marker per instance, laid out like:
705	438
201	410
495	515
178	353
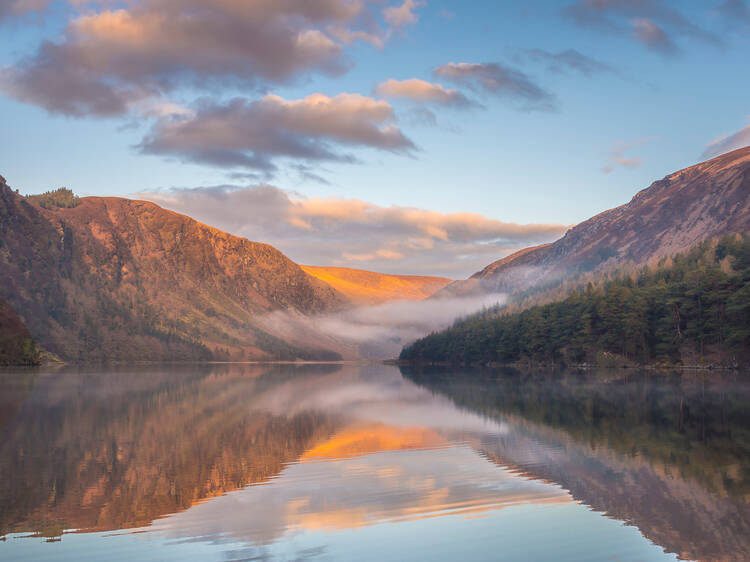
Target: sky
403	136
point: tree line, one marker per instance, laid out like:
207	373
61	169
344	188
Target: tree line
693	308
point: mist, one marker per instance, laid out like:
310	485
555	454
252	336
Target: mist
381	331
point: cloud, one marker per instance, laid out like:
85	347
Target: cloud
736	14
11	8
422	91
653	36
252	134
617	155
727	143
399	16
650	22
110	58
419	116
352	232
736	10
446	14
565	61
500	80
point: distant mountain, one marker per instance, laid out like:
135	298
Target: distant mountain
104	278
370	288
673	214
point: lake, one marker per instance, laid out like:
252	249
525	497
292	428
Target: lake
374	462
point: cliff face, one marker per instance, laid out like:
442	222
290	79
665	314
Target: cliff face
369	287
119	279
128	241
673	214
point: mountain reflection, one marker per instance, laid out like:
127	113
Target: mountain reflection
668	454
287	449
117	450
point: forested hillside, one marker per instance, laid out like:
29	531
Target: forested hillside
690	309
16	344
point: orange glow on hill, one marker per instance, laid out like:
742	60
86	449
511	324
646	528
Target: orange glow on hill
369	287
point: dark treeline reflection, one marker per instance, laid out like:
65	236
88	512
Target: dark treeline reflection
116	450
670	454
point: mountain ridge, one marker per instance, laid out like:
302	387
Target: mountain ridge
118	279
705	200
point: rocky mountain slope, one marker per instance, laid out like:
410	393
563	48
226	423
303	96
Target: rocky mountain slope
370	288
673	214
104	278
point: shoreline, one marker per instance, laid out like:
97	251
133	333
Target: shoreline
659	367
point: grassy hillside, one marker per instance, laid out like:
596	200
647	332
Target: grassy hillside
691	309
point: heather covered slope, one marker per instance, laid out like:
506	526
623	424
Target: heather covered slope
707	200
370	288
116	279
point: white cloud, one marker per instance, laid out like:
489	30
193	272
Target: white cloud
252	134
422	91
356	233
499	80
114	54
617	156
727	143
399	16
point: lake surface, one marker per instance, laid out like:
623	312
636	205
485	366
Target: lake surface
332	462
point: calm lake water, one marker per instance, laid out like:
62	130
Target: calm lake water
372	463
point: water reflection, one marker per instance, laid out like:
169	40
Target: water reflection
295	461
111	451
670	454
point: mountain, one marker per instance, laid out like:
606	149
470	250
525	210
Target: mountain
370	288
673	214
105	278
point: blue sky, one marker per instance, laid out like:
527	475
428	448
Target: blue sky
669	78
